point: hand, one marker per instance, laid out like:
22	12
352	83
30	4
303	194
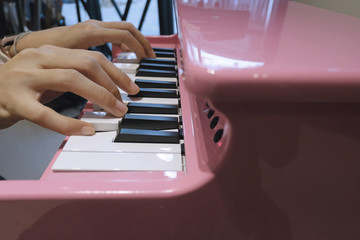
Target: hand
33	73
89	34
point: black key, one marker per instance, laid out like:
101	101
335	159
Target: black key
164	54
157	66
182	149
156	49
156	93
149	122
181	133
155	73
152	108
146	136
142	83
159	61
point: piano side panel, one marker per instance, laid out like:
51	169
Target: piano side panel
289	165
294	175
303	160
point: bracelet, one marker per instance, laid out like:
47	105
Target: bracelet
18	37
8	44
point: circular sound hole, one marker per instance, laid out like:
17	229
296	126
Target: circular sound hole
218	135
214	122
210	113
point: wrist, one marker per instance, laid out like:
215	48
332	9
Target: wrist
13	50
8	44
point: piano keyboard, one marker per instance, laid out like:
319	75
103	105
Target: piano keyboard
148	138
163	55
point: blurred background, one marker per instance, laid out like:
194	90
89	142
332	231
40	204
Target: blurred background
109	13
22	15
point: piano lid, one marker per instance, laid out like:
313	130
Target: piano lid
269	50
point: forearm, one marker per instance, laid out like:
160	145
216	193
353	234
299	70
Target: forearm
58	36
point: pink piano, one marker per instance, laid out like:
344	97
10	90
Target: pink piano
270	108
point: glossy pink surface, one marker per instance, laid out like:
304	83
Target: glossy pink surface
273	52
283	79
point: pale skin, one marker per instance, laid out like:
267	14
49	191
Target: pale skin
54	61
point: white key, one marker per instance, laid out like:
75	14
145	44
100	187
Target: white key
127	99
103	142
130	57
133	77
128	68
164	58
101	121
125	93
105	122
101	161
127	57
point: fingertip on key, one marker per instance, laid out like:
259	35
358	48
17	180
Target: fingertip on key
121	108
152	54
134	88
87	131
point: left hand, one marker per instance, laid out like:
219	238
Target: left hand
36	73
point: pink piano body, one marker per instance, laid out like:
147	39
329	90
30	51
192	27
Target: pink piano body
284	81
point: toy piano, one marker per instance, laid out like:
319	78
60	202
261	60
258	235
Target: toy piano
247	126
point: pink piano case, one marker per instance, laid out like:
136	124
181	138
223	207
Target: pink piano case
269	95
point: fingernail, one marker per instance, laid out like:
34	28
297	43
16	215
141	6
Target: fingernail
153	54
134	88
88	131
121	107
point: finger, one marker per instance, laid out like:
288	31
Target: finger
48	118
94	66
125	48
124	36
91	65
7	119
134	31
69	80
86	62
116	75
